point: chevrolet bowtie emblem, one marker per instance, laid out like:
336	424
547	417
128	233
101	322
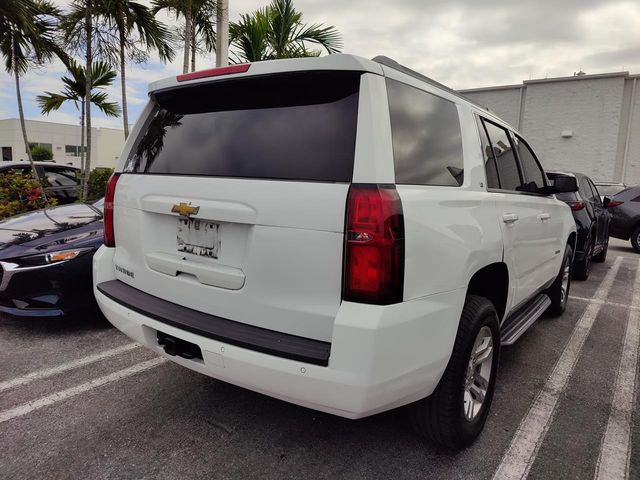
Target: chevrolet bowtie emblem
184	209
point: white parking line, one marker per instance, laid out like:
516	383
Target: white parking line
604	302
30	377
526	442
29	407
613	461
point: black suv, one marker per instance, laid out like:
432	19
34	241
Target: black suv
592	220
625	215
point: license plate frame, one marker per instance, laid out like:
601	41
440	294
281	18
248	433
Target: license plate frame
199	237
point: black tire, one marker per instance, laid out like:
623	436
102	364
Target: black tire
441	416
602	256
558	300
635	239
582	268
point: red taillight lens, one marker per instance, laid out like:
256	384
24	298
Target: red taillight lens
214	72
614	203
575	206
109	234
374	253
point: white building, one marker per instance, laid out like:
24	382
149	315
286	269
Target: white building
62	140
586	123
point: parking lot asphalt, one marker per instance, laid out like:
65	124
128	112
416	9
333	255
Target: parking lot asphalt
79	400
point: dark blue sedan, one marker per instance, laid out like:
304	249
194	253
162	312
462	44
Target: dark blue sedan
46	257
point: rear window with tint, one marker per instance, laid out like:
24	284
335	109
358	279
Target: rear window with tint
294	126
427	143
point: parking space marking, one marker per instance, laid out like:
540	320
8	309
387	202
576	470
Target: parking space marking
80	362
526	442
29	407
613	461
605	302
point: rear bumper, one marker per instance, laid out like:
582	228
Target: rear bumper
381	357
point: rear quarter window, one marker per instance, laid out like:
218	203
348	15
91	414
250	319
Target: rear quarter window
294	126
427	142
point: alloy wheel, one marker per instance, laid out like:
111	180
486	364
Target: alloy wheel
478	374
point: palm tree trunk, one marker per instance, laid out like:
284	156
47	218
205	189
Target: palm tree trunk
123	82
88	26
193	49
187	41
23	124
82	137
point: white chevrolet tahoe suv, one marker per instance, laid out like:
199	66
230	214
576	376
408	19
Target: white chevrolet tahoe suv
340	233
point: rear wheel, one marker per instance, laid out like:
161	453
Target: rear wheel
559	290
635	239
582	268
455	414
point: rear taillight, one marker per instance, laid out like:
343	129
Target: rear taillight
374	252
575	206
109	234
614	203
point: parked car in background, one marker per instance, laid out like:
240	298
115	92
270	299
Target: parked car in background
609	189
625	215
340	233
592	221
45	259
62	181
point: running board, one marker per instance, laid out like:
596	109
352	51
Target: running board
520	322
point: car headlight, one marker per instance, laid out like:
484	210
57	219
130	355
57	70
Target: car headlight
50	258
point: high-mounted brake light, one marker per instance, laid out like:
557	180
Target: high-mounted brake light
214	72
109	234
374	253
575	206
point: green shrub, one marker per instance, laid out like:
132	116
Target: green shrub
41	154
20	193
98	182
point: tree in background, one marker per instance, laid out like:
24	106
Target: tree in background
137	31
74	91
199	25
41	154
27	39
277	31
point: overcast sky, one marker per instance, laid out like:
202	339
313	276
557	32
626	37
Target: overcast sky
462	43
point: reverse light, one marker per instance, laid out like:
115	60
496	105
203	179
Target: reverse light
374	251
109	233
214	72
575	206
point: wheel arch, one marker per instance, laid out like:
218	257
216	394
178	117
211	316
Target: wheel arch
492	282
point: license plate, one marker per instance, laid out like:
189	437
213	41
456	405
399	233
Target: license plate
198	237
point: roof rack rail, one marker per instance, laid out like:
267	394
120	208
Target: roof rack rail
391	63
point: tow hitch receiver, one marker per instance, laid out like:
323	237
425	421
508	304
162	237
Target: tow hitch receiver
174	346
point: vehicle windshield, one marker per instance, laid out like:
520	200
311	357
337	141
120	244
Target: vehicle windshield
610	190
293	126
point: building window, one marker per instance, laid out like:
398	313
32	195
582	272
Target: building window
73	150
7	155
46	146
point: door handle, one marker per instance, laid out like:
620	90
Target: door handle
544	216
509	217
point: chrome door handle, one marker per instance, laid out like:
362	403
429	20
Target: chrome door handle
509	217
544	216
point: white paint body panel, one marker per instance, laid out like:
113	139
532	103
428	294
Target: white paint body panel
281	257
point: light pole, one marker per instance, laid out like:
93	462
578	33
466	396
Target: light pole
222	37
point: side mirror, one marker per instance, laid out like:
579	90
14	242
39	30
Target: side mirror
606	201
565	184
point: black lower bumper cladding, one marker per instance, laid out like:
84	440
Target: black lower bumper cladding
229	331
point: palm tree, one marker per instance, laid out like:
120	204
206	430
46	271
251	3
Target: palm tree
199	18
277	31
136	26
27	39
74	91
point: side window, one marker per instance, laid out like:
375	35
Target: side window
584	189
426	137
507	167
493	181
533	174
63	177
594	192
